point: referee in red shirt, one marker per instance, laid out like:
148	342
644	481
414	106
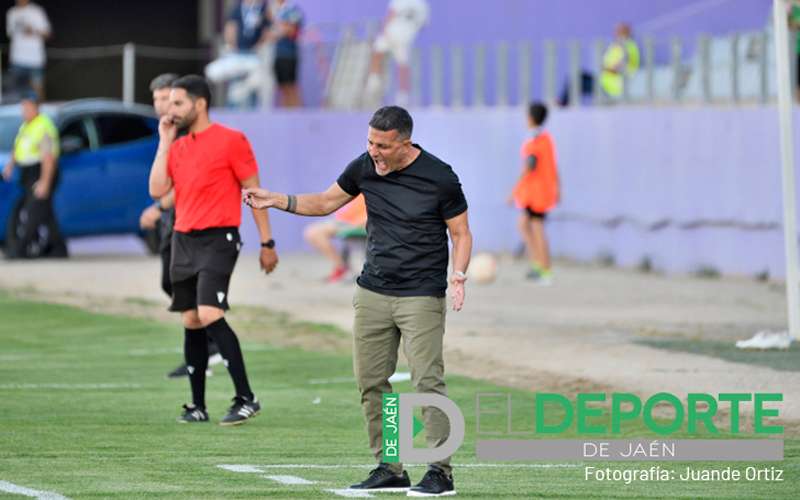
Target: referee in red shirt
207	167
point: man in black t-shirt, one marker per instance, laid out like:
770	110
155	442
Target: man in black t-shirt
413	199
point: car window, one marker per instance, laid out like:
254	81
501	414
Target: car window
9	126
74	136
118	129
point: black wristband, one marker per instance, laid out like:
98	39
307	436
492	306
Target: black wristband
291	203
270	243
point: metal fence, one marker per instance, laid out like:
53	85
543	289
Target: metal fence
734	69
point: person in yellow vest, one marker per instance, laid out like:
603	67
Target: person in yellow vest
620	60
35	153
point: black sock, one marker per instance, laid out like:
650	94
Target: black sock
195	350
232	354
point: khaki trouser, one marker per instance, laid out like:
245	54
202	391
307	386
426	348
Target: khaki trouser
381	321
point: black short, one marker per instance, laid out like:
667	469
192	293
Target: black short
201	266
286	70
534	214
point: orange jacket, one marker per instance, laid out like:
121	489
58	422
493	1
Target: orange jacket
353	213
537	189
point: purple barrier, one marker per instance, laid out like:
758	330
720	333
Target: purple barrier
683	187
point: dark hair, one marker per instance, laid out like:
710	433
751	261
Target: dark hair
195	85
162	81
393	118
537	111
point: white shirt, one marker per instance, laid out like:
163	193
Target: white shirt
413	12
27	49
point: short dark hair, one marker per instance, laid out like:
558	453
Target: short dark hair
195	85
162	81
393	118
537	111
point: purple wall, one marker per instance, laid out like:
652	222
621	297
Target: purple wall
685	188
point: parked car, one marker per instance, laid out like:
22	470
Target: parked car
107	148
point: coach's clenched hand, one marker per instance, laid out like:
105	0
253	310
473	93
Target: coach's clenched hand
268	259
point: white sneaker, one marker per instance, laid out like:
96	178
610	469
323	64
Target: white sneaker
766	340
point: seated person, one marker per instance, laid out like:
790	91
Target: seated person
247	56
350	220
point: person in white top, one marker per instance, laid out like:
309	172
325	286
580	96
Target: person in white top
402	24
28	27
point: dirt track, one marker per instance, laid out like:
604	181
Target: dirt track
575	336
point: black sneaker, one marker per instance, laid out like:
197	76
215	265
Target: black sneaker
382	478
241	411
181	371
192	414
435	483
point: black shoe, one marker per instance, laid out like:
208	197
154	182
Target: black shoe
241	411
181	371
435	483
192	414
382	478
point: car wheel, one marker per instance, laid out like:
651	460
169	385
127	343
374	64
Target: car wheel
152	240
12	229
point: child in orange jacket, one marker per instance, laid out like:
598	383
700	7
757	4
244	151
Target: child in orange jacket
537	192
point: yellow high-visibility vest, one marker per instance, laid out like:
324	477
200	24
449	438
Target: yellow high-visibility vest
30	138
627	52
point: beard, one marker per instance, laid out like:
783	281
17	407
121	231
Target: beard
186	122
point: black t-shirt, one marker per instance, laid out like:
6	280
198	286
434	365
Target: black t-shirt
407	251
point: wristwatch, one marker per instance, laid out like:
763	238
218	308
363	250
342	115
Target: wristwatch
460	274
270	243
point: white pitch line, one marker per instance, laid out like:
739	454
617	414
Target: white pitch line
28	492
289	480
260	468
241	468
350	493
70	386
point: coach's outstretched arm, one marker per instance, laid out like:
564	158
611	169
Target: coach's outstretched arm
302	204
160	183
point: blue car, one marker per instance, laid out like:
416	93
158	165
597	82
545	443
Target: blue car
107	148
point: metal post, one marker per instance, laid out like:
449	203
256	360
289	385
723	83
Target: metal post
763	66
549	71
599	48
502	75
457	76
129	73
524	73
787	161
437	75
677	69
575	74
704	44
415	99
479	97
649	67
735	68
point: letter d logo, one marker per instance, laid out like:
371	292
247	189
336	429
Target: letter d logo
407	451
